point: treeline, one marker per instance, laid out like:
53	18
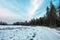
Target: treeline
3	23
52	18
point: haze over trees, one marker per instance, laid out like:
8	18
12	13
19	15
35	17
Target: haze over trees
3	23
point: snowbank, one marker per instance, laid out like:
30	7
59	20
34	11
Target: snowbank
29	33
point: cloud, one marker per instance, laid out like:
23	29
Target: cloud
6	15
16	7
35	5
14	10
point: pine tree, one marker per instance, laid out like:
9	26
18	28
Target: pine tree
58	20
52	14
59	11
47	21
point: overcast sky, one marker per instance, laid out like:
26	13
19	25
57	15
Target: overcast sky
21	10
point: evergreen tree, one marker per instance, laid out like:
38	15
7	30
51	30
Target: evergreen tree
58	20
47	21
52	14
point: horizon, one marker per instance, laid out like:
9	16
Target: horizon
22	10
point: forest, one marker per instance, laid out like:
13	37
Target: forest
51	18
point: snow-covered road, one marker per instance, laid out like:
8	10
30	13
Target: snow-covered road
28	33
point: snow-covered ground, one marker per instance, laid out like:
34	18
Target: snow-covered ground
28	33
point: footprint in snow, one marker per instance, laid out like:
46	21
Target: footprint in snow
2	39
34	35
11	37
33	29
31	39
